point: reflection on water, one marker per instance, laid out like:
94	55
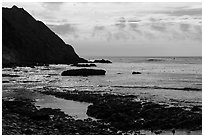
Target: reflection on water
73	108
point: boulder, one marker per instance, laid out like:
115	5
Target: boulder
136	72
83	72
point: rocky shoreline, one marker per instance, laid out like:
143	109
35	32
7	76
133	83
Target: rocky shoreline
126	112
115	114
21	117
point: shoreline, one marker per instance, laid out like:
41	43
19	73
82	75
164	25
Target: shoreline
20	117
116	114
128	107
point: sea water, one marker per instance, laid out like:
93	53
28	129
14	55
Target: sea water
172	80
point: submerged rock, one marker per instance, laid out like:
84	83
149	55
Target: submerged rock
154	59
10	75
83	72
84	65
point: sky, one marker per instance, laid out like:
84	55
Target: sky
123	28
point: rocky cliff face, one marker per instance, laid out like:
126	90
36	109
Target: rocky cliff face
27	41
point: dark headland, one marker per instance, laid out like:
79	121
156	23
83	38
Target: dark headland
27	41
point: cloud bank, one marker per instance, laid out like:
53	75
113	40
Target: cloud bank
137	25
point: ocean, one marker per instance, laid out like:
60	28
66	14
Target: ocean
175	81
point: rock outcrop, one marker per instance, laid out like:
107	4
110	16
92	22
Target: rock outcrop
101	61
126	112
136	72
27	41
83	72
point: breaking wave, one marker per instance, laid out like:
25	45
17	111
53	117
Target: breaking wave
157	87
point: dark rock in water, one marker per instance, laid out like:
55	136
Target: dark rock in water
158	132
173	131
154	59
83	72
102	61
84	65
5	81
9	75
136	72
27	41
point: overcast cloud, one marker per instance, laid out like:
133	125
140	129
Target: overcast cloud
134	28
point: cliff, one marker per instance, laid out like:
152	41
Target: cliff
26	41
